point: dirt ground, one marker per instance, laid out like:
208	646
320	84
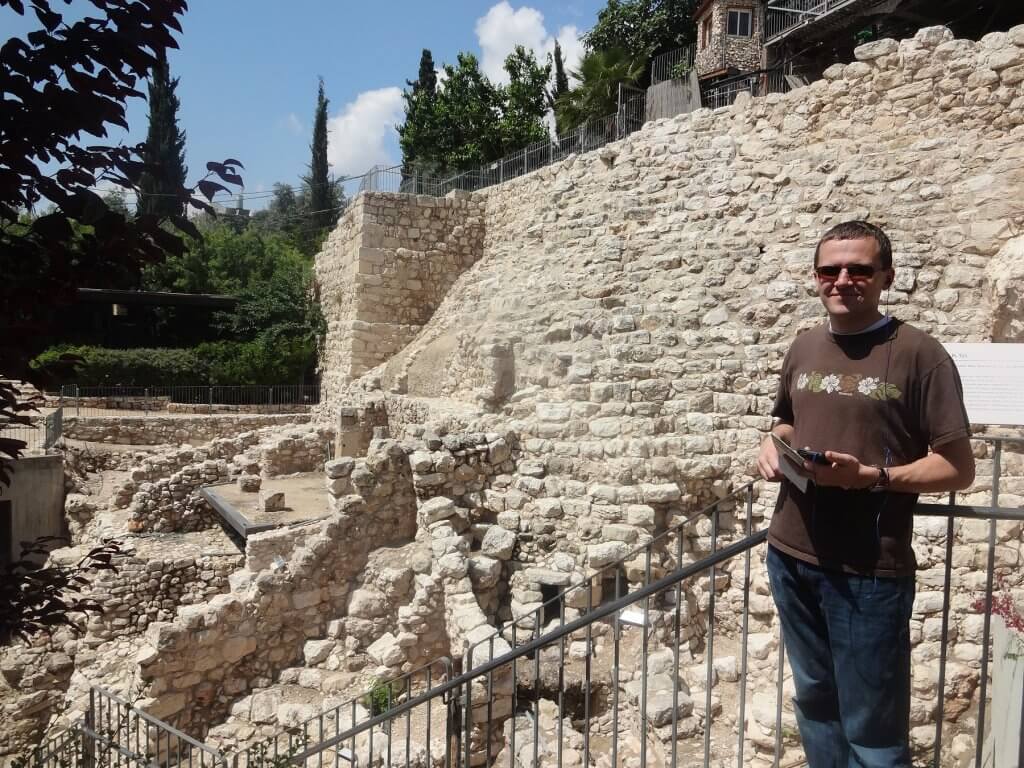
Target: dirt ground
305	497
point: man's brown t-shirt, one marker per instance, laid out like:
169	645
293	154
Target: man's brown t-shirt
883	396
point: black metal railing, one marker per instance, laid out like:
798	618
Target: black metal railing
497	706
119	401
593	134
115	734
723	93
672	64
783	16
379	699
530	698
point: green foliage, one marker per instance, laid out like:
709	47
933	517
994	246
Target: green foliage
681	70
380	698
471	121
265	360
643	28
597	93
164	152
320	192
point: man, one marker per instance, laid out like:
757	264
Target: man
874	395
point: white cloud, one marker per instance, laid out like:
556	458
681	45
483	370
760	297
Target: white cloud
356	136
502	28
294	124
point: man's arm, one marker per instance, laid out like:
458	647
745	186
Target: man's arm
950	467
768	458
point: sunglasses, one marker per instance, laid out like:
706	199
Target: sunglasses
857	272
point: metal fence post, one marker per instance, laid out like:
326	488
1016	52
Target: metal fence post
78	401
211	399
270	396
145	401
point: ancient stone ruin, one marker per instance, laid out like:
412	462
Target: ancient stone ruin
523	387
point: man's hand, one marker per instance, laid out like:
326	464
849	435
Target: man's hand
768	461
845	471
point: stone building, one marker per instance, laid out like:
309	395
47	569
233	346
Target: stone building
730	37
803	38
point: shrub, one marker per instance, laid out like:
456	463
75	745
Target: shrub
265	360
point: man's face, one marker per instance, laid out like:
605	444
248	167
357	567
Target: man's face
849	295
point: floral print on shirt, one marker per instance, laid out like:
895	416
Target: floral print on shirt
848	384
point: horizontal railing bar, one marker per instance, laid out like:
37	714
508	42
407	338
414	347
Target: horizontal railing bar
662	537
969	512
537	643
163	725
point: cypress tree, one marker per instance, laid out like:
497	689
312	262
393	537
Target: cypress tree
426	82
164	148
320	194
560	88
561	79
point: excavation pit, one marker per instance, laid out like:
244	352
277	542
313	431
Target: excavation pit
305	500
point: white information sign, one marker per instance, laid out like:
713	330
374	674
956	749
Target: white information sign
993	378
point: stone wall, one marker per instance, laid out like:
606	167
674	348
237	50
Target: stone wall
642	298
169	430
384	270
210	654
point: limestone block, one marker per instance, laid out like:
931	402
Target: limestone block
1003	277
263	706
271	501
316	651
876	49
600	555
340	467
498	542
249	483
367	602
234	648
547	576
386	651
484	571
437	508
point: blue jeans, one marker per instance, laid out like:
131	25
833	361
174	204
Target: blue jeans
848	642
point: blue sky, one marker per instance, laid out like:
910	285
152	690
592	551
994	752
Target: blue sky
249	71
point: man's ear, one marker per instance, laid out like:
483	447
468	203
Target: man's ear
889	280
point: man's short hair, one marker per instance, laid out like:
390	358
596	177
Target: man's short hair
859	230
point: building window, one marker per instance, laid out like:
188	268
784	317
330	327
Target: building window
705	32
741	23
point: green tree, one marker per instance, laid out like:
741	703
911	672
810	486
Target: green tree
320	195
164	150
560	86
597	92
643	29
523	101
470	121
416	136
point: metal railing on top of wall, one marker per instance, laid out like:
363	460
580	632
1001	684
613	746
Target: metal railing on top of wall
115	400
666	65
592	135
487	696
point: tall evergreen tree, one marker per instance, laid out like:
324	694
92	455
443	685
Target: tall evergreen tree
418	131
561	86
426	82
320	196
159	187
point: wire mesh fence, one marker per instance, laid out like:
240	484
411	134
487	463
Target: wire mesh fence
589	136
672	64
39	435
760	83
191	399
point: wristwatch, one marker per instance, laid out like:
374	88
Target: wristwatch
882	483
